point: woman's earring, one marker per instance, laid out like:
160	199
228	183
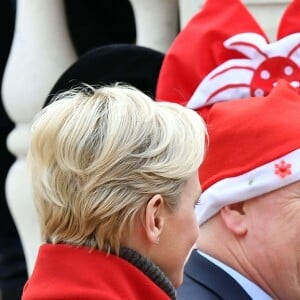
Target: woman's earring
157	240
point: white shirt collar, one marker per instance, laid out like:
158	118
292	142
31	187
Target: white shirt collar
254	291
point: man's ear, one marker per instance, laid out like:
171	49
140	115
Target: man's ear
234	217
154	218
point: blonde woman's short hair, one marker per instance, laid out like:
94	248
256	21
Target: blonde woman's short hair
97	155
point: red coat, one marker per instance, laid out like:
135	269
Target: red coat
66	272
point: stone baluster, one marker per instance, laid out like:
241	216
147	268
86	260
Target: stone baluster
156	22
266	12
41	51
187	8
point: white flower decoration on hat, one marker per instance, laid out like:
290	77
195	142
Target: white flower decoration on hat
253	76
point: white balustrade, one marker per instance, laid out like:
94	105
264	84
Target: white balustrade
266	12
156	22
187	9
41	51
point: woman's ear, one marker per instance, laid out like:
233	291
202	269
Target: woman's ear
234	217
154	218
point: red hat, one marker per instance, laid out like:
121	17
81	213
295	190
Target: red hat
247	90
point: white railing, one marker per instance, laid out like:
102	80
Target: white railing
266	12
41	51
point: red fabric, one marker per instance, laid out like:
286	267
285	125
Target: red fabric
290	22
65	272
257	131
198	48
213	58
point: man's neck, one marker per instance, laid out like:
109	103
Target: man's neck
250	287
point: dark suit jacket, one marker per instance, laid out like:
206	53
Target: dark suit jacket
203	280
